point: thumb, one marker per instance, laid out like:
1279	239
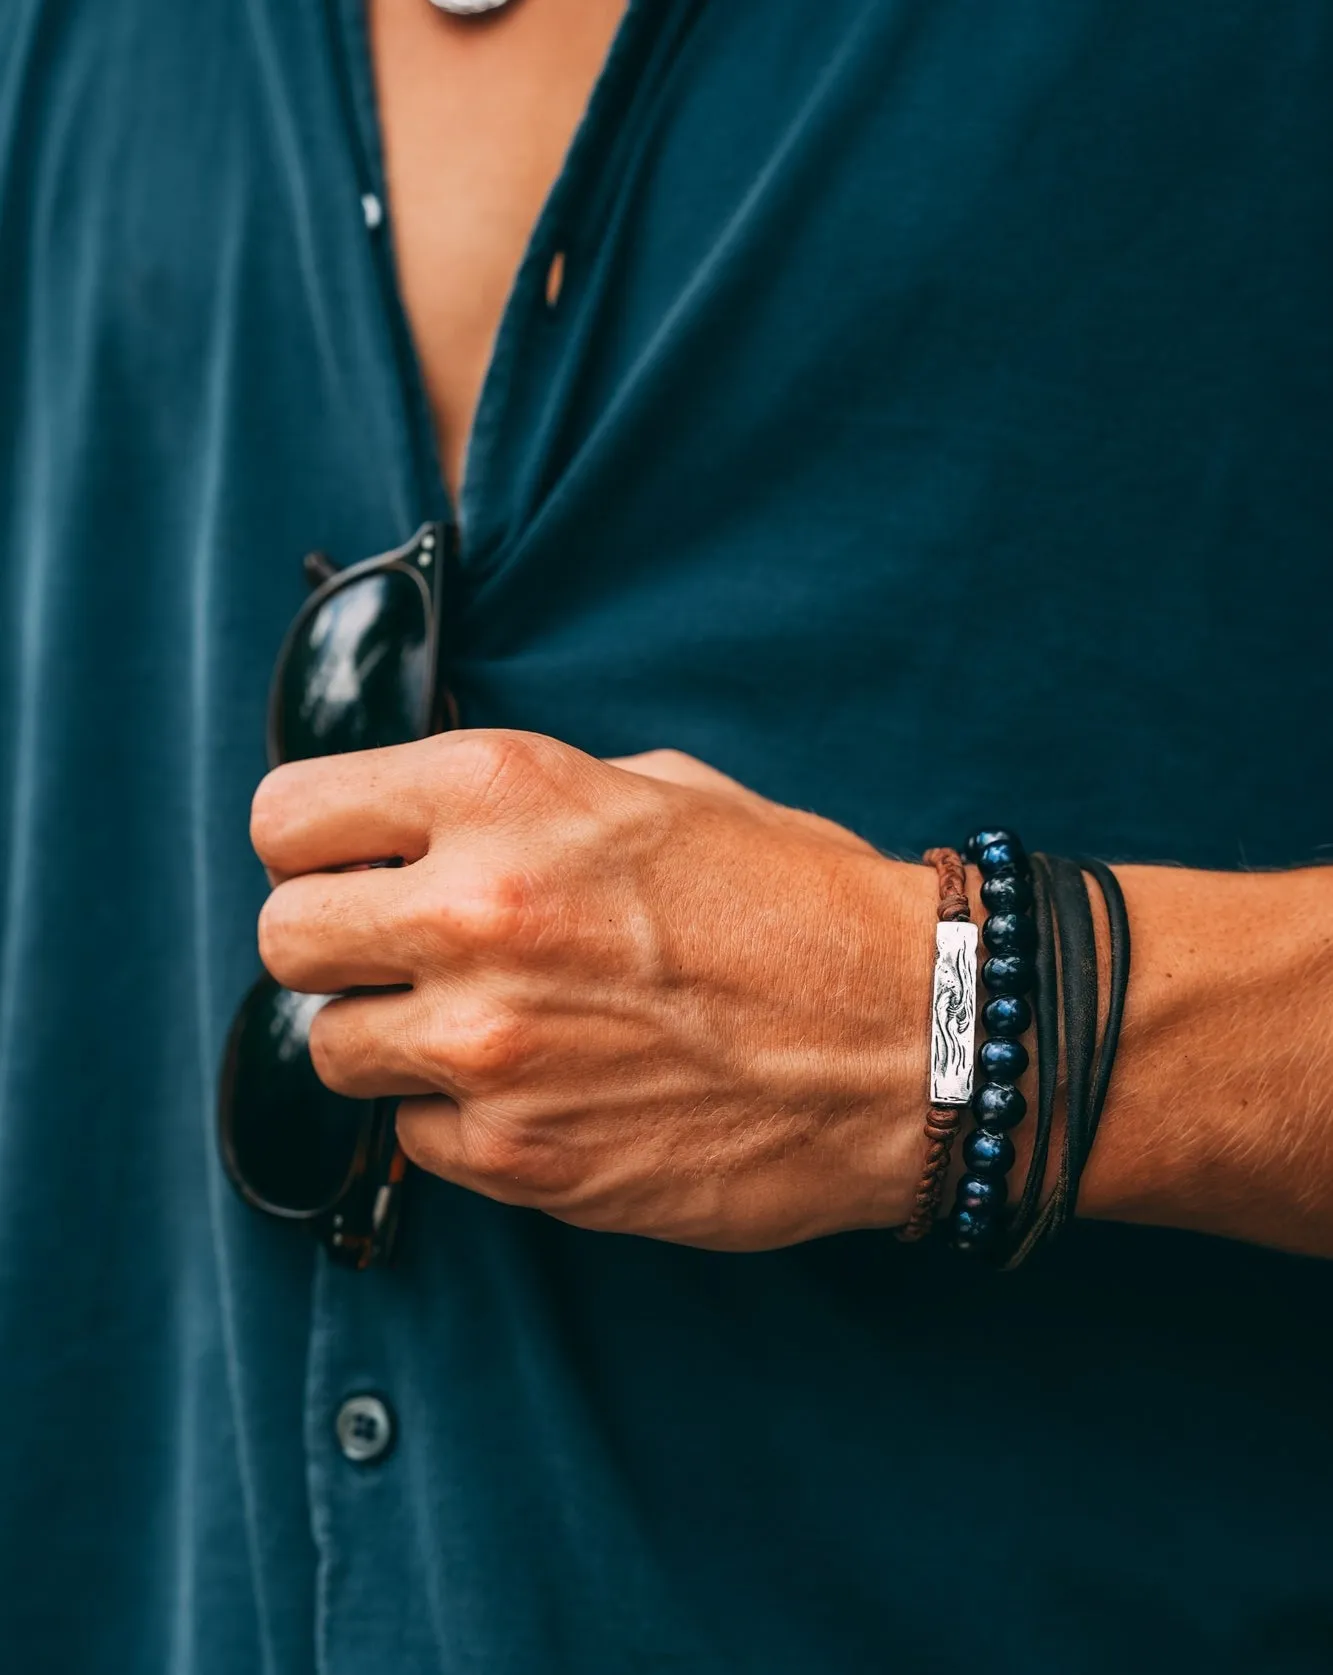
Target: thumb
676	768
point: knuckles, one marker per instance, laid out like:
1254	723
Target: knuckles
481	1048
520	1163
343	1061
503	1155
272	808
504	1159
491	765
279	937
490	909
479	1051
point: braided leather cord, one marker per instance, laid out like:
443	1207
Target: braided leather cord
943	1121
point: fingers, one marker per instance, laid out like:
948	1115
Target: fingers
334	811
429	1131
452	1142
370	1047
419	1042
326	932
381	1047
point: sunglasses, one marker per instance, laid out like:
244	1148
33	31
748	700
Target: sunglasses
357	670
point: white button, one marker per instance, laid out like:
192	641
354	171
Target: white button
365	1429
372	209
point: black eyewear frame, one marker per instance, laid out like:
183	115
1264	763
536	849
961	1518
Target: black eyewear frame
357	669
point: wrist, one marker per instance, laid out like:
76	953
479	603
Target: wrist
1219	1108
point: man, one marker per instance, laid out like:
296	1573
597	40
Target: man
916	413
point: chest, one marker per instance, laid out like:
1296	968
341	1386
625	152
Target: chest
476	115
828	376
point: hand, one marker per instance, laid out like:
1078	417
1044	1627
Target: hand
642	998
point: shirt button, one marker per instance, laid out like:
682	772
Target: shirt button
365	1429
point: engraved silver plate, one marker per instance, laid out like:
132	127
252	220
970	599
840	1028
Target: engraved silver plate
953	1013
468	8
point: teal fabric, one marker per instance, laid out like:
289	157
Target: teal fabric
933	429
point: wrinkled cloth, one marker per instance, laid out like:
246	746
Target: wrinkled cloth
932	430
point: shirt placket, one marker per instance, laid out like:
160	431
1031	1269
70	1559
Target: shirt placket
364	1414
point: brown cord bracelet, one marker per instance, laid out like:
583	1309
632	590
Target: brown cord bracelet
942	1121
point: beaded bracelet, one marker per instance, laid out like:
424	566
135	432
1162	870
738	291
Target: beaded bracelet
1010	937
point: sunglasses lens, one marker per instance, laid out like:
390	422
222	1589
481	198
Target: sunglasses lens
355	676
287	1141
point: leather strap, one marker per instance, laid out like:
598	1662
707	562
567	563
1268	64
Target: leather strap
1088	1064
942	1121
1117	920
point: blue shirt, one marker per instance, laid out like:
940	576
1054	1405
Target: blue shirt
893	333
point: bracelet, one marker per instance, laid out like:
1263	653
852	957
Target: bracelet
1019	1235
953	1026
1088	1062
976	1223
1035	909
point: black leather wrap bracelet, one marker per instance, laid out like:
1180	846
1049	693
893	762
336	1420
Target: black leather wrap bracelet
1041	934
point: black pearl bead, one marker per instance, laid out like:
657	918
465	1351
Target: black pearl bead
1010	933
983	840
1008	1016
988	1153
973	1231
998	1105
1003	1060
982	1195
1008	974
1004	852
1007	892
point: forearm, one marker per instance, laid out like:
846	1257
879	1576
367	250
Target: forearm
647	1000
1220	1113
